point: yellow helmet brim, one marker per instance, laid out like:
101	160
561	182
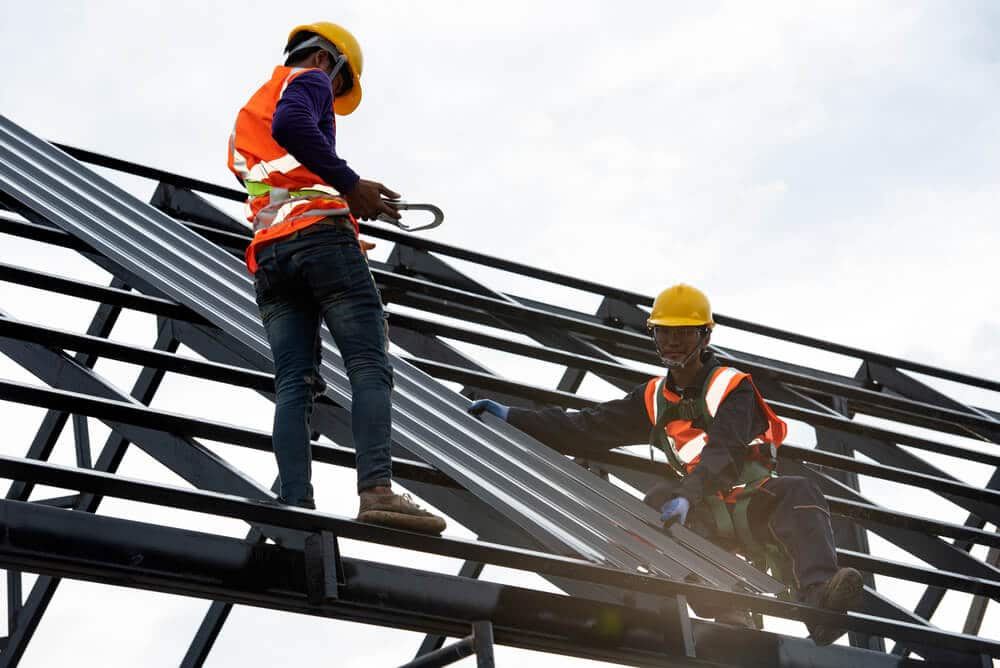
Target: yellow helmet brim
345	104
677	321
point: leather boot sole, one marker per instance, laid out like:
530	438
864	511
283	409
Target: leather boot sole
844	592
429	524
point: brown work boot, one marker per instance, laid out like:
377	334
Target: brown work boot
397	511
843	592
739	618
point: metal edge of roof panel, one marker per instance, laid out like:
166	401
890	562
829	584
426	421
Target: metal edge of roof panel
213	283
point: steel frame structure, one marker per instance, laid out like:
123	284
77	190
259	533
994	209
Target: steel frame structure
644	583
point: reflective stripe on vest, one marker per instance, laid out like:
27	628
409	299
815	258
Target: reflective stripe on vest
284	196
686	442
264	166
720	387
689	449
280	204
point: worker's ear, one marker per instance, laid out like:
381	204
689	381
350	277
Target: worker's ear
318	59
705	341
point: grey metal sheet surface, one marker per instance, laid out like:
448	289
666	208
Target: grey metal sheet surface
564	507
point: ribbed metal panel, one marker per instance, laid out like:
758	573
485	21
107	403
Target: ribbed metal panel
564	507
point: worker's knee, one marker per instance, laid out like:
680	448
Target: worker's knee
803	494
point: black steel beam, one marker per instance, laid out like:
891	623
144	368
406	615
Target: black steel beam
929	548
847	534
898	465
977	609
431	643
812	417
87	534
264	382
871	515
931	576
985	500
145	387
217	614
192	564
933	595
881	375
97	293
530	271
521	269
155	421
96	345
101	325
181	203
534	351
42	230
420	264
922	414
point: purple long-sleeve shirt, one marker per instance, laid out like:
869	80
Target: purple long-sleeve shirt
304	125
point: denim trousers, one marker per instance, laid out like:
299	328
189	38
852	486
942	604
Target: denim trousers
320	274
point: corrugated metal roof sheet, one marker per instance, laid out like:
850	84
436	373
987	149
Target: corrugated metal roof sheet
564	507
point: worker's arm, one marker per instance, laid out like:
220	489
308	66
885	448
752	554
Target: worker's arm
601	427
738	421
303	125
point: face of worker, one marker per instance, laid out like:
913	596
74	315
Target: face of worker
676	344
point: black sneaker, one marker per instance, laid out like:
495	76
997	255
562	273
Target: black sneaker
309	504
843	592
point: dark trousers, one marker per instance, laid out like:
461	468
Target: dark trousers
320	274
788	511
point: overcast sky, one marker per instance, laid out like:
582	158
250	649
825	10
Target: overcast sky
825	167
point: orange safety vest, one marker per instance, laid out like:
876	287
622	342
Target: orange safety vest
283	196
683	442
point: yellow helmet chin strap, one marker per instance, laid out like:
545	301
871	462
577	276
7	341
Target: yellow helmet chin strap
671	364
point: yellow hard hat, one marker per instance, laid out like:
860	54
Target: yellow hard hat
348	46
681	306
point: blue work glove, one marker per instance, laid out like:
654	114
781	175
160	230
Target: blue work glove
675	510
489	406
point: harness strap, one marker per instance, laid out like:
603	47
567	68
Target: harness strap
693	410
733	524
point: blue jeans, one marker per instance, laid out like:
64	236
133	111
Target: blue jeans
320	273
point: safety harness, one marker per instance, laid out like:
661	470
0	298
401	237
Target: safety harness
728	512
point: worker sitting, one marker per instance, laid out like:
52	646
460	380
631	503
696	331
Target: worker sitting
720	439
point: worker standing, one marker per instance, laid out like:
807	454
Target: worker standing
720	440
309	266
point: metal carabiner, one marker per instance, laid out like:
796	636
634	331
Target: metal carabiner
412	206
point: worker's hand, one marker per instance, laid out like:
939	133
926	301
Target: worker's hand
489	406
366	202
675	510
